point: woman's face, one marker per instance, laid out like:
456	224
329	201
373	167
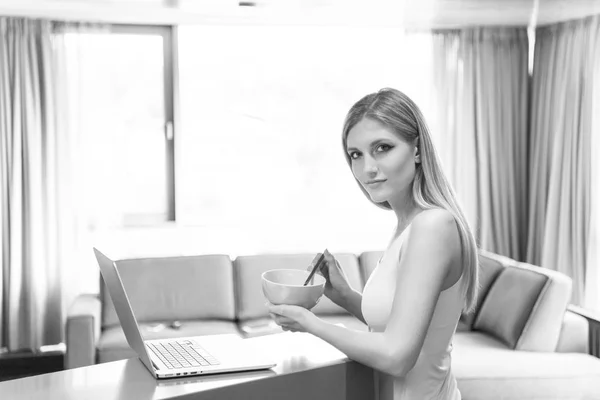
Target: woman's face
382	162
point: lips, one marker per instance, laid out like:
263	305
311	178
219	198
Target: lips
374	182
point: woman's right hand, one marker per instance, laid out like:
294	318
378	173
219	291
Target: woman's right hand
336	286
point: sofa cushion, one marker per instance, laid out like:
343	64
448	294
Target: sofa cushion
113	344
525	306
486	369
475	341
250	299
509	303
489	269
175	288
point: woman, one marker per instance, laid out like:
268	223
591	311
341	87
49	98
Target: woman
428	274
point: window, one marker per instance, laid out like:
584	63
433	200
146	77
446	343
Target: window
123	79
262	109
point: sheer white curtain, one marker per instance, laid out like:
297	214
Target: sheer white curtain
30	187
72	76
592	273
481	81
564	130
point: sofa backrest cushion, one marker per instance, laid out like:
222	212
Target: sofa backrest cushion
489	270
250	300
525	305
175	288
509	303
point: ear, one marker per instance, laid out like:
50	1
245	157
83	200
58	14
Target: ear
417	154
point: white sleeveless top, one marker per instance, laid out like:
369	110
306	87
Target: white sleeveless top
431	377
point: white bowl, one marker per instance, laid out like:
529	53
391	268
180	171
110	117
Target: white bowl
284	286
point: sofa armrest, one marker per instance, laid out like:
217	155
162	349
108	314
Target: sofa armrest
594	328
573	334
82	331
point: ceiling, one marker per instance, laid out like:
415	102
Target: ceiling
416	14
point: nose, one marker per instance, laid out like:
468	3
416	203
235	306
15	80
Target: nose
370	166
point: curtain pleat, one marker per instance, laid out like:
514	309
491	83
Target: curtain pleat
560	209
31	298
481	80
592	258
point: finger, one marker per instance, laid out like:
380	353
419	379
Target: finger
326	256
277	309
284	321
323	269
280	320
331	261
289	328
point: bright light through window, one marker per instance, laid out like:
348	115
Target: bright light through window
262	111
117	93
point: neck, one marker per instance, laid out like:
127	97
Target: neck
405	211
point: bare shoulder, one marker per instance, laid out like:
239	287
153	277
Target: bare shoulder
435	220
437	225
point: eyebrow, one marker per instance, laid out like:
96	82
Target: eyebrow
371	145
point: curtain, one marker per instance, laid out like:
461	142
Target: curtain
30	273
481	84
560	210
592	260
73	75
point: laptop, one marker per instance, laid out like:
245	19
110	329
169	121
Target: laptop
176	357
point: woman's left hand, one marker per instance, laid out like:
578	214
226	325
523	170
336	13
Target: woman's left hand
292	318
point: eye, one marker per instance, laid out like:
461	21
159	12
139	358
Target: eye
383	148
354	155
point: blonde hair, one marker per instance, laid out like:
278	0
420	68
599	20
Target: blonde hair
430	188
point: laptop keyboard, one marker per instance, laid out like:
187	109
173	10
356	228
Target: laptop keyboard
182	354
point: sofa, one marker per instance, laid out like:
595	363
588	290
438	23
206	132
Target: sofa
523	341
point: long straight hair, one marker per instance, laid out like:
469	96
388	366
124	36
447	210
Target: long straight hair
430	187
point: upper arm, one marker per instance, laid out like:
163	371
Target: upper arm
431	248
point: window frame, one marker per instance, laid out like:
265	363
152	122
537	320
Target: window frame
168	33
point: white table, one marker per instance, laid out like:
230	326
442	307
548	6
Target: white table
307	368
